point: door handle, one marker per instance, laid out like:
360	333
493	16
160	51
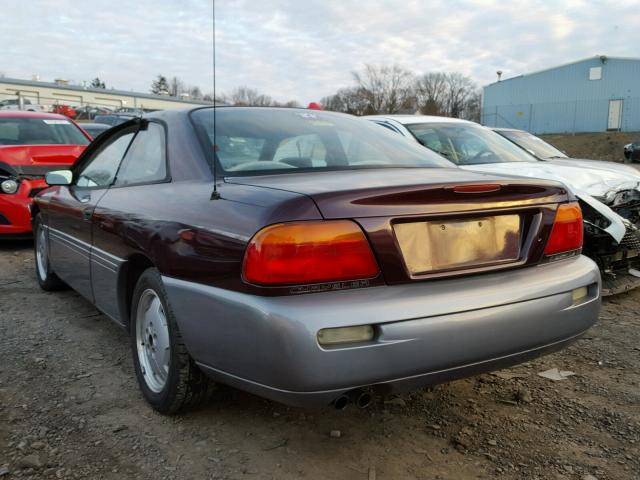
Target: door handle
87	213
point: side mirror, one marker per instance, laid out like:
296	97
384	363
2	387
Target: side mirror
59	177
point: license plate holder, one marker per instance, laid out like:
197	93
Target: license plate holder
431	246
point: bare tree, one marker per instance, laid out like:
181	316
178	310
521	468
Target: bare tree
449	94
388	89
351	100
473	107
245	96
431	93
176	87
287	104
195	93
459	90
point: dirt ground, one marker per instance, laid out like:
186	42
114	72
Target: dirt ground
594	146
70	408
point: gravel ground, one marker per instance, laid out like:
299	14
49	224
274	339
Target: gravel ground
70	408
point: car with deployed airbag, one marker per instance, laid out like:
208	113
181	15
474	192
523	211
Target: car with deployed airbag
31	144
309	258
608	192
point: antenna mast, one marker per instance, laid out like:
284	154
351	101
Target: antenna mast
215	195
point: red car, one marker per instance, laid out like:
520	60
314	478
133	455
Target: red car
65	110
32	144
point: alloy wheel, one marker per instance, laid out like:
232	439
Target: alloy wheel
152	339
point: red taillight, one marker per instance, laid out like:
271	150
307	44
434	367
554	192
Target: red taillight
567	231
308	252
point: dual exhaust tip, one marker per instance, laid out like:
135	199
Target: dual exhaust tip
360	398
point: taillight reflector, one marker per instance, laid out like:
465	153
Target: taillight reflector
308	252
567	232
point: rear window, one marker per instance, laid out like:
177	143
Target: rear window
249	141
38	131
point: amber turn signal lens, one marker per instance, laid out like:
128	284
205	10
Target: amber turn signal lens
567	232
302	253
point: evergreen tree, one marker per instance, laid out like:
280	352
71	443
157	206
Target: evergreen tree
97	83
160	86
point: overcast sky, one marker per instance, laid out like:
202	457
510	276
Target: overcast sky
307	49
124	42
303	49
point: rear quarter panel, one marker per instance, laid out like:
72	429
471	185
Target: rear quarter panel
184	233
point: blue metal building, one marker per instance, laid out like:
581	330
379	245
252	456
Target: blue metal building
591	95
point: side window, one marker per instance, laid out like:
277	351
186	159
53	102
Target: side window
146	160
102	168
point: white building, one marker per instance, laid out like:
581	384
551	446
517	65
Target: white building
47	93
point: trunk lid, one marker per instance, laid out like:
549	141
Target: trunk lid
432	223
407	191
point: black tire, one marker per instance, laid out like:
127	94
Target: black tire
47	279
185	386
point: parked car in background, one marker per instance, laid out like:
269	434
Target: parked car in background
632	151
31	144
21	104
88	112
135	111
113	118
312	259
609	193
65	110
94	129
532	144
547	152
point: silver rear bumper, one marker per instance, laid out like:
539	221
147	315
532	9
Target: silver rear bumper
427	332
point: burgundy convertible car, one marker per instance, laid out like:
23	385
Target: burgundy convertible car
302	256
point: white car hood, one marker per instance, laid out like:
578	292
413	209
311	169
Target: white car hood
585	178
589	176
596	165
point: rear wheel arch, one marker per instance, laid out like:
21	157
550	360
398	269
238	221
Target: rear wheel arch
131	271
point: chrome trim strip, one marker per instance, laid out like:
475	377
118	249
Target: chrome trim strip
113	269
86	248
70	245
70	238
98	256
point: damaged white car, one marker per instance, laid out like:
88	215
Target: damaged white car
609	193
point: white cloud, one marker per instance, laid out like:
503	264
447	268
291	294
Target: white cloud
126	43
306	50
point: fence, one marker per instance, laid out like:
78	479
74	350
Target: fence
579	116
